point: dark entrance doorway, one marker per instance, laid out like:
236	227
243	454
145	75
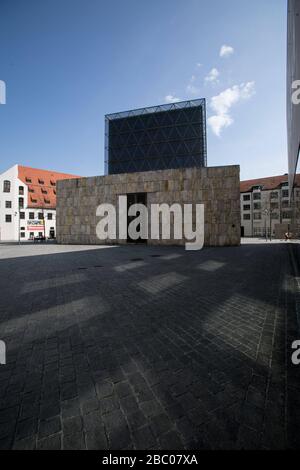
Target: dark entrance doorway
135	198
242	231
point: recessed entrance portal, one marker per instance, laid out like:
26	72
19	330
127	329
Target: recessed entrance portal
135	198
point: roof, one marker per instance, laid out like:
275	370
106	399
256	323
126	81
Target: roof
269	183
41	185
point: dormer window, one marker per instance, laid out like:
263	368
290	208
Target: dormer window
28	180
47	201
33	199
41	181
52	182
44	191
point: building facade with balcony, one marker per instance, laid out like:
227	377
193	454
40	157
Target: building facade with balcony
28	203
266	207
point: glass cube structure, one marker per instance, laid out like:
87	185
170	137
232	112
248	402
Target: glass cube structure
156	138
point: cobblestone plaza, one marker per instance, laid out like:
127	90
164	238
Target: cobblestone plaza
148	347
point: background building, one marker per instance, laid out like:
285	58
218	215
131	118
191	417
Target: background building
293	75
266	207
28	203
156	138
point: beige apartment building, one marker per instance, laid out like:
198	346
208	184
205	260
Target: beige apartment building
267	208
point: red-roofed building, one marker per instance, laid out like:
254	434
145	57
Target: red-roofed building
266	208
28	202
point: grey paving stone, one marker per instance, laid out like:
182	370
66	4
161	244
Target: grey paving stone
143	438
49	426
70	408
50	443
96	440
72	425
28	443
26	428
171	441
74	441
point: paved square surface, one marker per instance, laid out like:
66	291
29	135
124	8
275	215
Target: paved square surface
148	348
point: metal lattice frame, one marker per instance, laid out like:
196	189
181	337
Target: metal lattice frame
130	144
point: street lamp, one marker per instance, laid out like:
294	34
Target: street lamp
266	215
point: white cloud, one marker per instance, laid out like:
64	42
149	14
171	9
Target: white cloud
226	51
191	89
222	103
171	99
212	76
218	122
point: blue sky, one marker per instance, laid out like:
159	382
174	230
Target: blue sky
67	63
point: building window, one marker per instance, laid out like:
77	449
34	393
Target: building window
285	193
257	216
31	190
7	204
22	215
274	215
40	216
22	234
7	218
257	232
6	186
40	234
52	183
41	181
21	190
256	196
274	205
31	215
28	180
286	215
44	191
33	199
246	197
257	206
31	235
22	228
274	195
285	204
246	216
47	201
247	207
21	202
50	216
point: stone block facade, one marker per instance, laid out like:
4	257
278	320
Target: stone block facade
218	188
